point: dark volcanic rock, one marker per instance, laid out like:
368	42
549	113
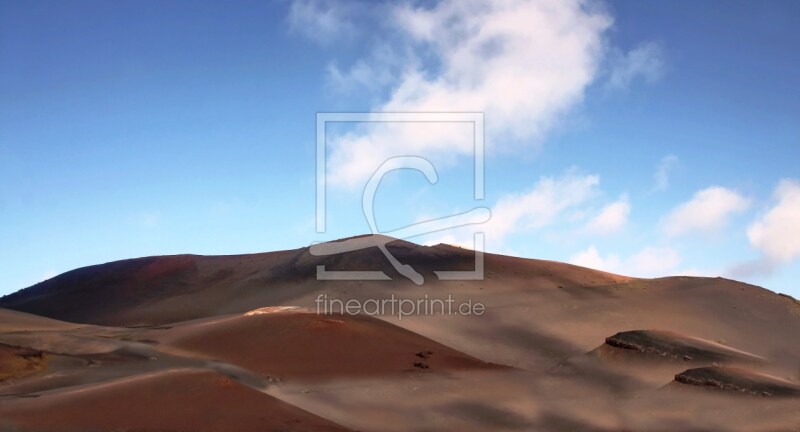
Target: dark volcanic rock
738	380
675	346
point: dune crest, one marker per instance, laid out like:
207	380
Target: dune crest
303	345
273	310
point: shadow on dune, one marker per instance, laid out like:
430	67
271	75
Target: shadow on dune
552	422
545	349
558	423
589	292
490	416
551	354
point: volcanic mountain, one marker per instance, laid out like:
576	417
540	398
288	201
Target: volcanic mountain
554	347
153	290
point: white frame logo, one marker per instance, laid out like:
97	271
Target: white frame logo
475	216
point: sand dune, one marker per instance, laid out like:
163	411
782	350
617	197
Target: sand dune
11	321
295	344
648	358
569	334
183	399
19	362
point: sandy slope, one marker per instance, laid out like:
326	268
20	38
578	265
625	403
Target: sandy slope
551	321
649	358
11	321
295	344
173	400
161	290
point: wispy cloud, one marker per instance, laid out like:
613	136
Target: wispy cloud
752	268
648	262
645	62
323	21
707	211
663	171
775	233
382	67
542	205
611	219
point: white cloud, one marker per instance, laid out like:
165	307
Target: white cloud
708	210
544	204
525	64
322	21
591	258
540	206
611	219
648	262
663	170
777	233
356	155
653	262
646	61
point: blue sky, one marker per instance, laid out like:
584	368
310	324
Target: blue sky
645	138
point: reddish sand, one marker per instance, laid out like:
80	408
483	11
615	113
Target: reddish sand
154	290
295	344
11	321
16	362
570	334
176	400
